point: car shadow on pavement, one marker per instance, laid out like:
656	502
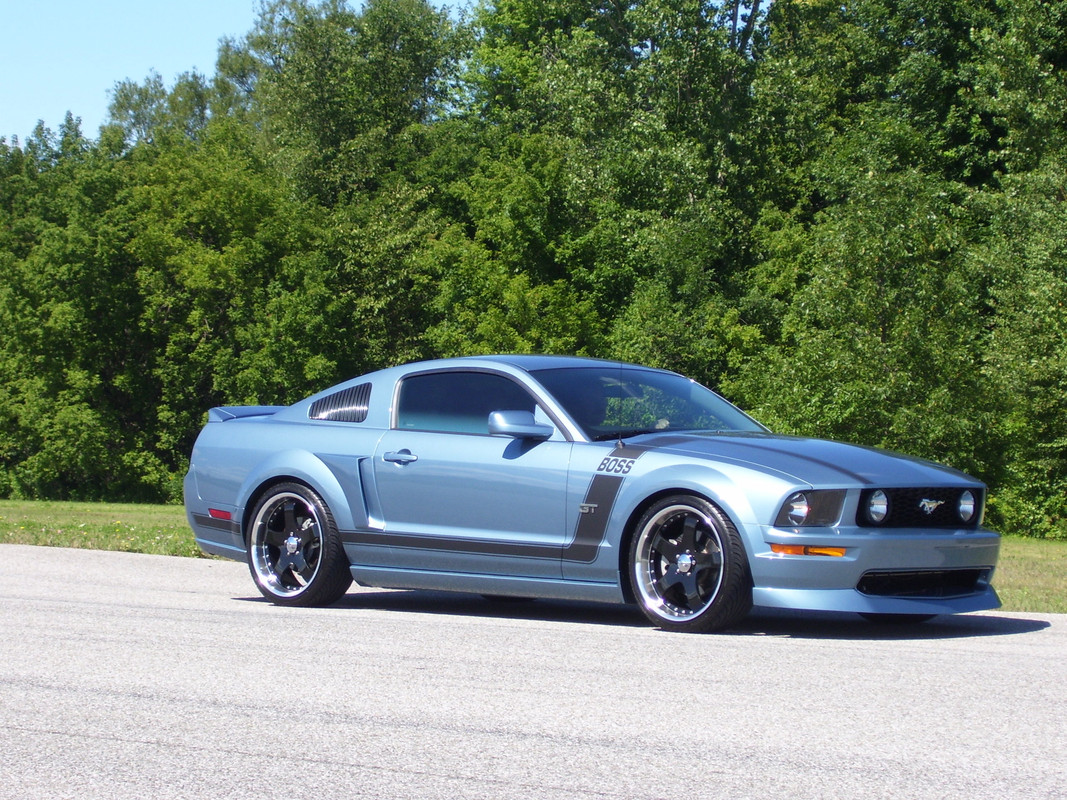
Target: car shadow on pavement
760	622
833	625
496	607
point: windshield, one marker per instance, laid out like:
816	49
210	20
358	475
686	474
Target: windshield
610	401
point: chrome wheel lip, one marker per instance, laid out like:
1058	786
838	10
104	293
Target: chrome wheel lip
650	566
274	566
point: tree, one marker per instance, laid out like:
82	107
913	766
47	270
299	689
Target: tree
882	322
144	110
72	402
335	86
1025	257
214	226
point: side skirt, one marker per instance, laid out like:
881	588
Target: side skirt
385	578
214	548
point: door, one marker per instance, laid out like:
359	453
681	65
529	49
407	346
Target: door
455	499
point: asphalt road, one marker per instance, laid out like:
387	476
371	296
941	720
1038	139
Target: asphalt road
132	676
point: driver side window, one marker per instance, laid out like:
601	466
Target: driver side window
457	402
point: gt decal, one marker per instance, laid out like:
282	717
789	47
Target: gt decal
617	466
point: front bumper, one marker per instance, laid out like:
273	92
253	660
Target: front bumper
897	571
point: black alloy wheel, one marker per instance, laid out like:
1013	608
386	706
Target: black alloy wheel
688	567
295	553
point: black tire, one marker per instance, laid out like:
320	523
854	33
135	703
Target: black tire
688	568
295	553
897	619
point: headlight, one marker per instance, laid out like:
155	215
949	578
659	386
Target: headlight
877	507
811	508
796	509
968	505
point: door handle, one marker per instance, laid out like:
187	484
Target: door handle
400	457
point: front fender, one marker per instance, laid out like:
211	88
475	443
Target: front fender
745	496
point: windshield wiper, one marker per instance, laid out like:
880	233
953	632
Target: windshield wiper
626	434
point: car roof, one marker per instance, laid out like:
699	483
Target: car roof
536	362
523	363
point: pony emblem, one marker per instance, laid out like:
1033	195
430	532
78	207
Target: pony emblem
930	506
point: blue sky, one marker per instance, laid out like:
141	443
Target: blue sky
66	55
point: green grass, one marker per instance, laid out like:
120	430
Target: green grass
1031	574
161	530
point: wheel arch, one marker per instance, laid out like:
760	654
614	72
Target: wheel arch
296	466
702	490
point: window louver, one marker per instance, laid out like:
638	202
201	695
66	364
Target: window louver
347	405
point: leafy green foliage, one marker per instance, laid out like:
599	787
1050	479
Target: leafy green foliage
845	216
1027	261
879	332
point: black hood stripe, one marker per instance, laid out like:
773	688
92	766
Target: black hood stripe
749	444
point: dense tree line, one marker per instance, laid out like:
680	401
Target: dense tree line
849	217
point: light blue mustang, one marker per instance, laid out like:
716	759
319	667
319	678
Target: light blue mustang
544	476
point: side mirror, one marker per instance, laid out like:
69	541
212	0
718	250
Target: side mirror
518	425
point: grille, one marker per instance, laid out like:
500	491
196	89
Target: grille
924	583
906	508
347	405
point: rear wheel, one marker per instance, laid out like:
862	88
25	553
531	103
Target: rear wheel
688	566
295	553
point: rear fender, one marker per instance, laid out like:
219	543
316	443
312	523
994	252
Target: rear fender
306	467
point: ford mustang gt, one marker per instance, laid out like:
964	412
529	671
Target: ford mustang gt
579	479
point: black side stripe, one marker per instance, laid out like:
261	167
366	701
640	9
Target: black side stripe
450	544
230	526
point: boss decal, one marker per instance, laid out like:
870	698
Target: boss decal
617	466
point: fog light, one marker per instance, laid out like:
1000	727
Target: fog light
968	505
878	507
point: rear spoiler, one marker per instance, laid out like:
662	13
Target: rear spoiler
226	413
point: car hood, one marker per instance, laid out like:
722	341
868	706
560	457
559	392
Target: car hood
818	462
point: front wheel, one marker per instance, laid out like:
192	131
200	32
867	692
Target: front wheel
688	566
295	553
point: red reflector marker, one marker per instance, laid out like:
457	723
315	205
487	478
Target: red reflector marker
218	513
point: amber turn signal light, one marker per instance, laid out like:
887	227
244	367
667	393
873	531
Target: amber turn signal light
806	550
